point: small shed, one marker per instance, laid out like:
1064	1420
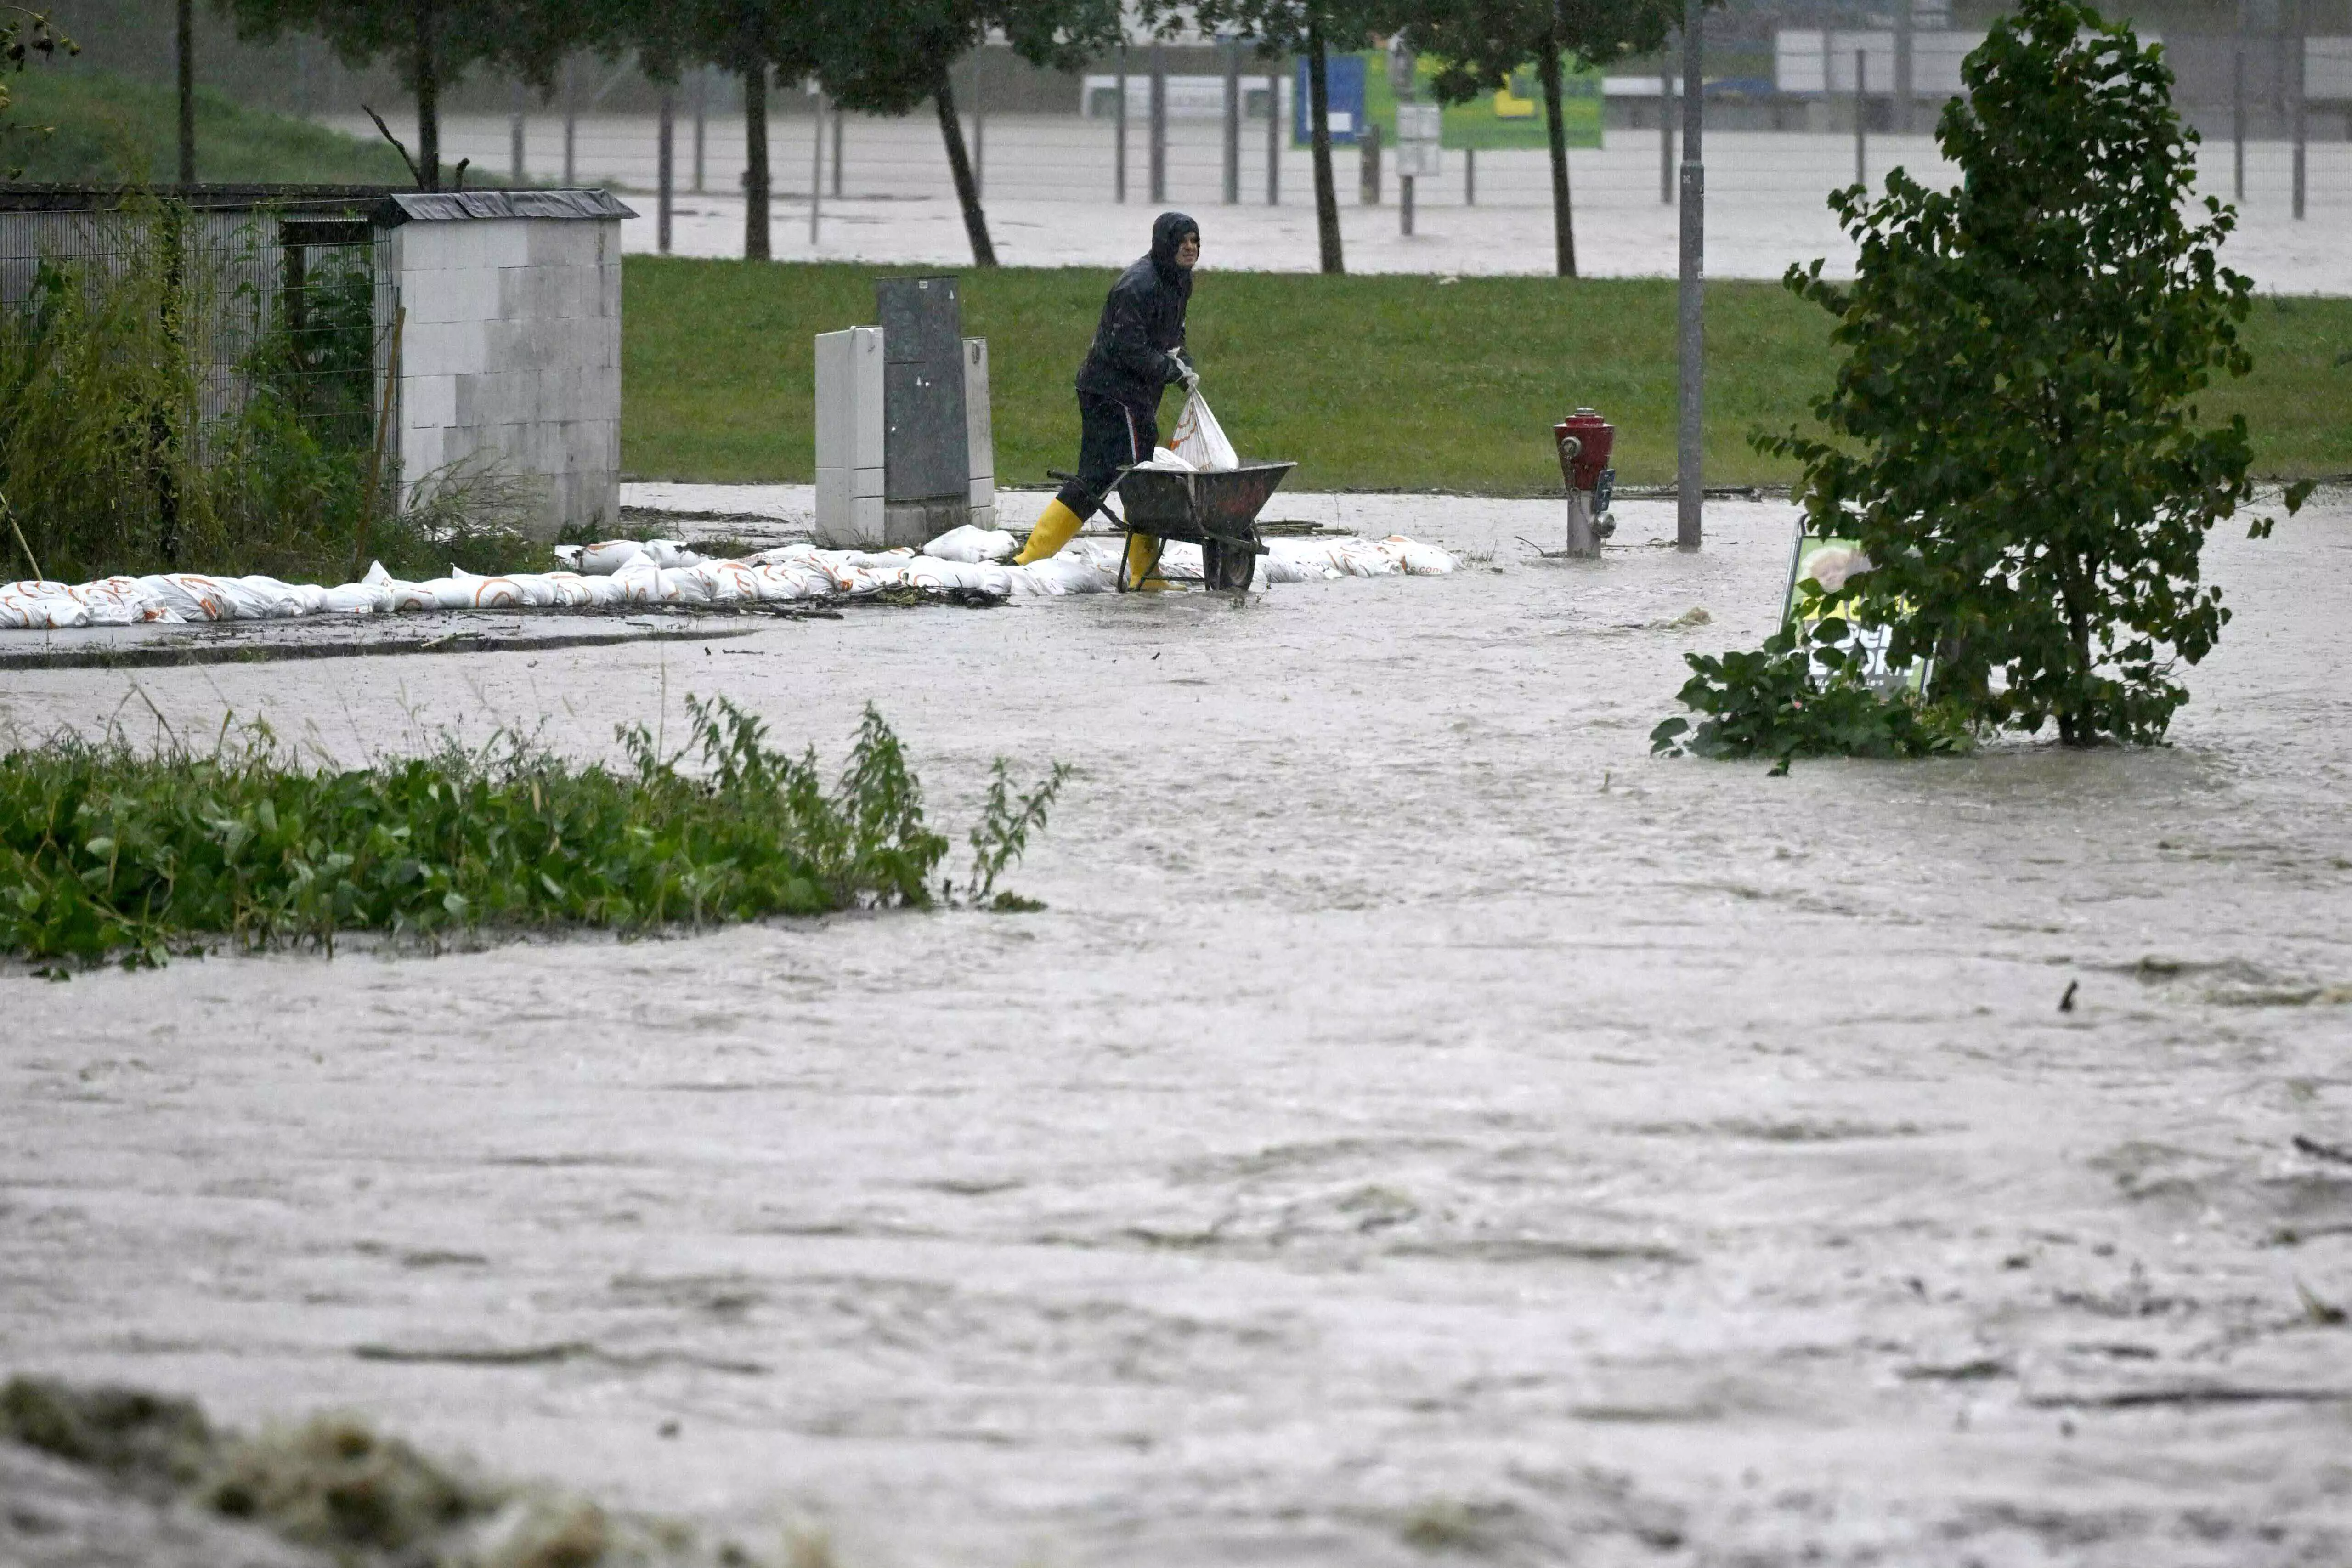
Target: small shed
510	347
492	319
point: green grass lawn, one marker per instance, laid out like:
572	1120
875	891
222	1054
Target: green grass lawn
1366	383
73	126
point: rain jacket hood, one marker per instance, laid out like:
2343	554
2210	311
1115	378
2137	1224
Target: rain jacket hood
1167	232
1143	320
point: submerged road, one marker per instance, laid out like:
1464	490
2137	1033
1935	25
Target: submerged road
1420	1123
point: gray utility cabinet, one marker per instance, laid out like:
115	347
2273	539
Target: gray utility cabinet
904	450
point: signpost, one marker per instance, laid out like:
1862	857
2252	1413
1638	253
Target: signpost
1419	126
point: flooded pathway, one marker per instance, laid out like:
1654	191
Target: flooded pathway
1420	1127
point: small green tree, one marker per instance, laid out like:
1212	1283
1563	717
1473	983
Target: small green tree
2013	435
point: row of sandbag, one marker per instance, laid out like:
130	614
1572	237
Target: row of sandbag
625	573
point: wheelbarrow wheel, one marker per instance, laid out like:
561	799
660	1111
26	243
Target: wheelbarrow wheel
1230	567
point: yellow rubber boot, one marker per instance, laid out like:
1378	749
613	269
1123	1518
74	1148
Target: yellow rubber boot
1143	564
1057	526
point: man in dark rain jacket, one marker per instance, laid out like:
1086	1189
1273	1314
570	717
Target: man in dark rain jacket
1139	351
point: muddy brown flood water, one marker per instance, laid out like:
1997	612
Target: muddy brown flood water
1421	1125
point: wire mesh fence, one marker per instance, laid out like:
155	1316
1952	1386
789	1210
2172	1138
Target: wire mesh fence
175	369
260	291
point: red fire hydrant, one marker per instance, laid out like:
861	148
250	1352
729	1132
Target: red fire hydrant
1585	442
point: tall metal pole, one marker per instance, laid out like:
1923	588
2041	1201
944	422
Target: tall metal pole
1158	125
515	135
1860	116
1903	66
1690	301
979	128
1666	130
816	166
1233	121
702	107
570	118
2238	108
1273	140
1118	176
837	151
1469	177
664	161
187	27
2295	103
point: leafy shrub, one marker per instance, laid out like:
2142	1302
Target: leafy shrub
105	852
1771	703
2012	435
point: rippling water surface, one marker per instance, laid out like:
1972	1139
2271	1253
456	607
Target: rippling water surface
1421	1122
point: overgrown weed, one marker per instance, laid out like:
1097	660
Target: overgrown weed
110	853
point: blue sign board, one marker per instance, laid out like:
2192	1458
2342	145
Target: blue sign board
1343	101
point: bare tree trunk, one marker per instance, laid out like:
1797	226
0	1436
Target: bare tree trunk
755	162
975	221
428	99
1319	105
187	92
1563	217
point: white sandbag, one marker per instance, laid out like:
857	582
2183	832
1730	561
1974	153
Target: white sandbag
668	553
570	590
638	582
189	594
356	599
969	544
1416	559
978	576
114	602
732	582
54	613
259	598
1199	438
1068	572
604	559
1173	460
601	593
685	585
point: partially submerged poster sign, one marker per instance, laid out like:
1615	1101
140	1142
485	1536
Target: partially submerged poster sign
1824	565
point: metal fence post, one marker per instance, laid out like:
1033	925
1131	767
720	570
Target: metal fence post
816	164
1273	140
1119	134
2295	103
571	120
1666	131
1469	177
1690	314
1903	66
837	126
1233	121
664	165
1860	116
1158	125
979	127
701	106
515	136
2238	108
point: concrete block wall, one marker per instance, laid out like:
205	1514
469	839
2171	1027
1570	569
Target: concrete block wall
510	360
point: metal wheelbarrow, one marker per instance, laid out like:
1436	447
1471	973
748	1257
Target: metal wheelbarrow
1216	508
